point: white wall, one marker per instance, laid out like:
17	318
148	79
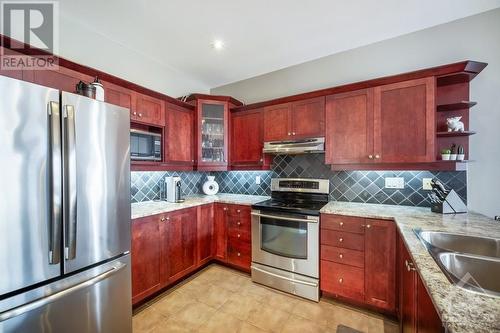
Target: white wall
476	38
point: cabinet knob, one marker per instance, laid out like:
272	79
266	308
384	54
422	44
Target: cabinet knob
341	280
341	256
289	133
192	161
341	223
162	219
238	254
134	113
293	133
368	226
140	114
238	223
225	208
239	235
377	156
370	157
262	160
341	239
238	210
409	266
168	218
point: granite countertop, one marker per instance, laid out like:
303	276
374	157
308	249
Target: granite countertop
147	208
460	310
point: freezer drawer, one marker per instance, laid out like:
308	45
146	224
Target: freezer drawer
96	300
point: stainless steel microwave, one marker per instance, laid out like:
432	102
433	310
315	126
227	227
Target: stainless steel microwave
145	146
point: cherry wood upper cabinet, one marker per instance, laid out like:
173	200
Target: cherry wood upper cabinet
404	119
277	122
13	73
301	119
349	123
247	139
119	96
380	264
212	135
149	110
63	79
181	242
308	118
205	233
147	264
179	136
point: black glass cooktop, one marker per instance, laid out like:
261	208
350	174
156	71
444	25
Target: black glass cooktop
296	207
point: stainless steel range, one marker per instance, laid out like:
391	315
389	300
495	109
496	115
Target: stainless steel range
285	236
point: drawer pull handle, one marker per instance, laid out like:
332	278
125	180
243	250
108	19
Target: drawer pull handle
341	256
341	239
341	223
341	280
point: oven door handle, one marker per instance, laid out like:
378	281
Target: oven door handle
285	218
285	278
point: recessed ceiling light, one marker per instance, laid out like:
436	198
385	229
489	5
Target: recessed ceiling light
218	44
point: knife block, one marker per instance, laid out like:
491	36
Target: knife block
452	204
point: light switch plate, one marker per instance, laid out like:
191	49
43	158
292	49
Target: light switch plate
257	180
426	184
395	182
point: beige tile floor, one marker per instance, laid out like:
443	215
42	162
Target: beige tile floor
219	299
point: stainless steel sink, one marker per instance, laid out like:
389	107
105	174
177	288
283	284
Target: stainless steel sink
470	262
475	273
481	246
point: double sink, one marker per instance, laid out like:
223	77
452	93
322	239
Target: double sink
470	262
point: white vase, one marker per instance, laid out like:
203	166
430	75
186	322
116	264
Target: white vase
460	157
445	157
210	187
453	157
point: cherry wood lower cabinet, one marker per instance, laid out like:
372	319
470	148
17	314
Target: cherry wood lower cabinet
180	242
358	260
233	235
147	256
416	310
167	247
205	233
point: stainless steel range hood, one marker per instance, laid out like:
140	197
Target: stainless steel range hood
304	146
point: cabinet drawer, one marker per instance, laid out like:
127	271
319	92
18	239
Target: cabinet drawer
239	252
241	234
238	211
345	240
342	280
240	222
343	256
343	223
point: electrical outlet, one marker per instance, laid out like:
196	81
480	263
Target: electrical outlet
395	182
257	180
426	184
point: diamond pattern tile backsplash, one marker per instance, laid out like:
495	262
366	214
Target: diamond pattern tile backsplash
356	186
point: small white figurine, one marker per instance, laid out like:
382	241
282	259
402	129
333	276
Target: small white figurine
454	124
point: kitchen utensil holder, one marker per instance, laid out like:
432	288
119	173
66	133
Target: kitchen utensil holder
452	204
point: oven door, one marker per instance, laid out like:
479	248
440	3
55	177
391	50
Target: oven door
286	241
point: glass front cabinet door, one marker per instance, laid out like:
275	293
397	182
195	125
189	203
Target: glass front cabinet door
213	120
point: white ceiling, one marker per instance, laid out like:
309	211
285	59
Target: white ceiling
261	35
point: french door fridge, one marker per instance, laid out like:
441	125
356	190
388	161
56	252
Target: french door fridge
64	212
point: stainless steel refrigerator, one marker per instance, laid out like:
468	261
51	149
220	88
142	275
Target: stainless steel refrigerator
64	212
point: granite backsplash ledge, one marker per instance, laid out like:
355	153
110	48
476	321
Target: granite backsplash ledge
352	186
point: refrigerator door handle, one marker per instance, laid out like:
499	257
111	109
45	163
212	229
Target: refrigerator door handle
17	311
55	175
70	217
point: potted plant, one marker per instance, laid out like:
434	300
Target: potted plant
445	154
460	153
453	152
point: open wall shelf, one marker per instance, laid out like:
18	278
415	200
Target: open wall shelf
453	134
455	106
